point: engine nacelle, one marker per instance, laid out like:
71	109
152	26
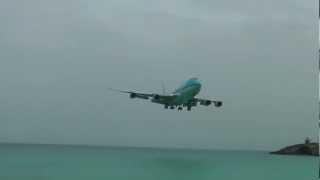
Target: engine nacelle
218	103
133	95
206	103
156	97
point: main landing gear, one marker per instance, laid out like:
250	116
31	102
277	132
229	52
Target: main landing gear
179	108
167	106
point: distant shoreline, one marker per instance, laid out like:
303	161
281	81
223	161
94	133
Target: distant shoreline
307	149
126	147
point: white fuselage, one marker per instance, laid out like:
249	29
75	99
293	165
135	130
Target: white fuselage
185	93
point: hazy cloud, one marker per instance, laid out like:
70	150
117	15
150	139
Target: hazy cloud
59	57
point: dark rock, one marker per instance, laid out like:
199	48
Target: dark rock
311	149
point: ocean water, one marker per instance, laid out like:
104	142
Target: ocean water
48	162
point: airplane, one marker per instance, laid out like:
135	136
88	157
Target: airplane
184	96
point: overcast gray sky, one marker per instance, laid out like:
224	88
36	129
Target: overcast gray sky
58	58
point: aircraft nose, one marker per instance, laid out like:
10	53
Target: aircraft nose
199	85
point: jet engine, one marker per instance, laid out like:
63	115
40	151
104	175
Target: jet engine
206	103
133	95
156	97
218	103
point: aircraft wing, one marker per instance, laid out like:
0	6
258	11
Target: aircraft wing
207	102
157	98
134	94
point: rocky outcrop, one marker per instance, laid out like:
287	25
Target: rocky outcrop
311	149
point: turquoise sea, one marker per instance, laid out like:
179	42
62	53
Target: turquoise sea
56	162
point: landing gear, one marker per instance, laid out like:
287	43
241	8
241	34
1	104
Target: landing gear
179	108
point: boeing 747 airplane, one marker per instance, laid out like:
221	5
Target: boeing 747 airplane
184	96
